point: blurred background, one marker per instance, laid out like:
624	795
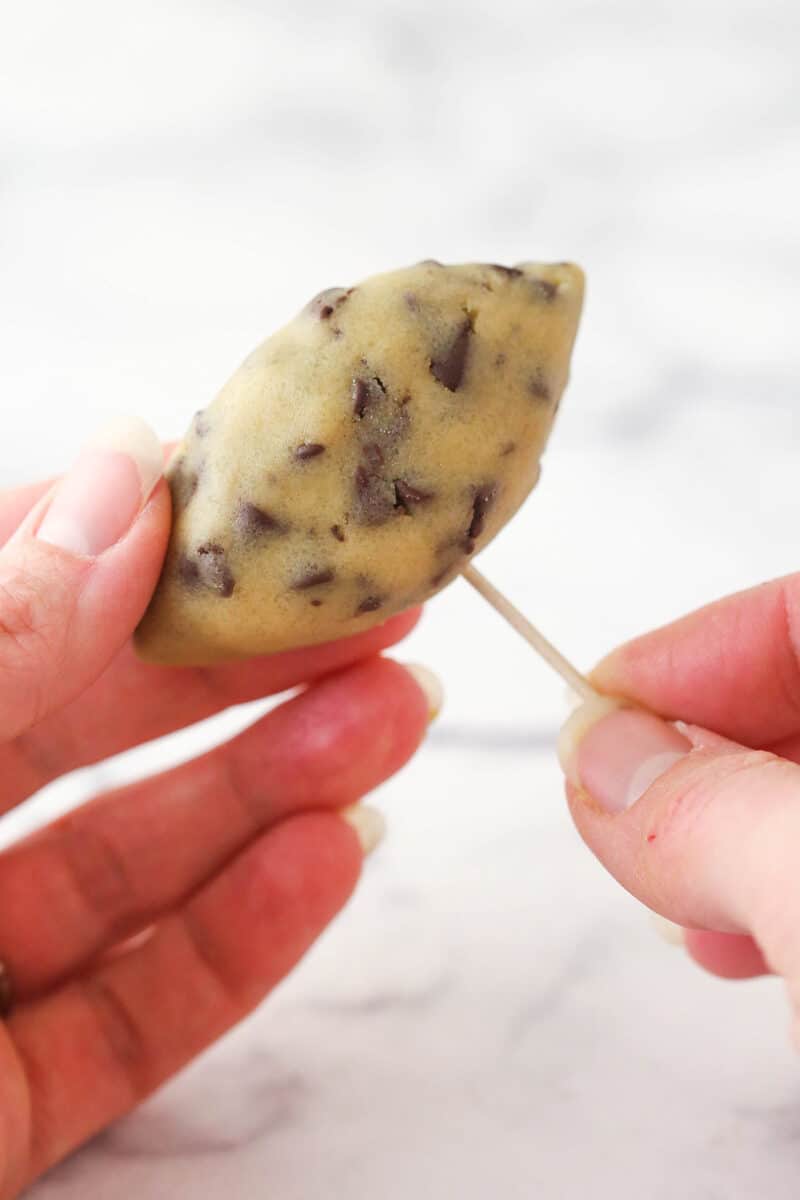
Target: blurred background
176	180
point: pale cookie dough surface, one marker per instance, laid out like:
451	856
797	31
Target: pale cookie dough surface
360	456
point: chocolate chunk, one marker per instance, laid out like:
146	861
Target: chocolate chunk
510	272
500	361
316	603
309	450
468	545
449	366
362	395
201	423
374	497
325	303
369	604
407	496
484	499
209	569
183	485
188	571
373	456
508	448
314	578
538	388
338	533
251	521
545	289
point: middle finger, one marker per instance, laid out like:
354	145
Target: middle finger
134	702
111	867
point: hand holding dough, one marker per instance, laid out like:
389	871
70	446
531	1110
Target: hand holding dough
360	456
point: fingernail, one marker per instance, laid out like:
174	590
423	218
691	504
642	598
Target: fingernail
368	824
430	685
668	931
96	503
615	754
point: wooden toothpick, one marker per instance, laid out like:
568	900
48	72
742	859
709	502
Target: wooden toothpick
579	683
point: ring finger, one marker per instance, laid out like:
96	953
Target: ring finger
112	866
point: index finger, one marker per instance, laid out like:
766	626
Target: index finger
134	702
733	666
16	503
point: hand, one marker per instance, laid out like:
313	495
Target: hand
227	867
704	827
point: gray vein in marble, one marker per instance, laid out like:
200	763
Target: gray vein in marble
584	961
424	997
244	1106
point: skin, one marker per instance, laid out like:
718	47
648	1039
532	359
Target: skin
231	864
713	843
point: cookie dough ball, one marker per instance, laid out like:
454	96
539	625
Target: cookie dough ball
360	456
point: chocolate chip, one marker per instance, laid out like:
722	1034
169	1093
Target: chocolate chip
366	393
407	496
374	497
484	499
411	300
508	448
449	366
208	569
201	423
500	361
545	289
309	450
361	396
510	272
373	456
183	485
251	521
538	388
338	533
316	603
188	571
313	578
468	545
369	604
325	303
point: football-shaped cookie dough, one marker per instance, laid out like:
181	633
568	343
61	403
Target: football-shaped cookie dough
360	456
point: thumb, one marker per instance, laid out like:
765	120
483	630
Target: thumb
77	575
700	829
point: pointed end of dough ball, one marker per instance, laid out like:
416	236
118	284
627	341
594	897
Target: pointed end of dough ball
562	282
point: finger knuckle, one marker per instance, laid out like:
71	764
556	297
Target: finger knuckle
215	990
119	1033
694	786
99	874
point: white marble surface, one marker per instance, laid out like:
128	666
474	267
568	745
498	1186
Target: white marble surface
491	1016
